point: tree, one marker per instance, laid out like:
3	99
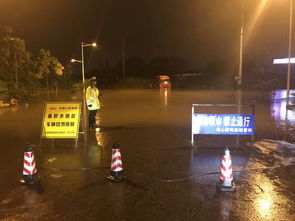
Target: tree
15	60
7	29
16	67
21	71
67	79
48	67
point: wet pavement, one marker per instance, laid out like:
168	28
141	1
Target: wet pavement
168	179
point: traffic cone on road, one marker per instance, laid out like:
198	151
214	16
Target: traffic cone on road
226	183
30	175
116	174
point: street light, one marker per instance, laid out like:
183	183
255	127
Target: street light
289	51
83	74
74	60
82	61
257	14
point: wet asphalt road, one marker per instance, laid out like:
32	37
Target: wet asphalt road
168	179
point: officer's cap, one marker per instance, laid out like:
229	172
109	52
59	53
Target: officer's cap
92	79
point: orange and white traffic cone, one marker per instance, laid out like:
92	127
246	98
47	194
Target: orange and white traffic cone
116	174
226	183
30	175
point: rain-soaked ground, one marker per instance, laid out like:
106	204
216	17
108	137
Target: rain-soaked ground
168	179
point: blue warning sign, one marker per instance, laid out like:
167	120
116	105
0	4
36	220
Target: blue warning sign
223	124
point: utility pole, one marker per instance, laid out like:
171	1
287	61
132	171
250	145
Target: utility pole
123	57
239	77
289	51
15	63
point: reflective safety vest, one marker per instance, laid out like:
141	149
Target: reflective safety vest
92	98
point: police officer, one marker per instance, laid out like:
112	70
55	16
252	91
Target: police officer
92	94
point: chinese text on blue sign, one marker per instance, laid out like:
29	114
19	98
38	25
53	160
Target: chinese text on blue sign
223	124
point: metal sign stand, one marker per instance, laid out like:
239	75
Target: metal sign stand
82	126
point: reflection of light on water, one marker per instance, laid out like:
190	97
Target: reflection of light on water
94	152
264	202
278	107
99	138
164	92
98	133
165	97
264	206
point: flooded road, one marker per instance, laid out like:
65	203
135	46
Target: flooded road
167	177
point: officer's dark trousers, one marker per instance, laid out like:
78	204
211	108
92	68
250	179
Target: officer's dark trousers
91	118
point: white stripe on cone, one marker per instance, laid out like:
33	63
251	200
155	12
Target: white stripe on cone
31	168
226	169
118	162
117	154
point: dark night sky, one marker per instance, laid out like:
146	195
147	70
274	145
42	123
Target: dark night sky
195	30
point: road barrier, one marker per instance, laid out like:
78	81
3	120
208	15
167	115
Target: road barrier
30	175
226	183
116	174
